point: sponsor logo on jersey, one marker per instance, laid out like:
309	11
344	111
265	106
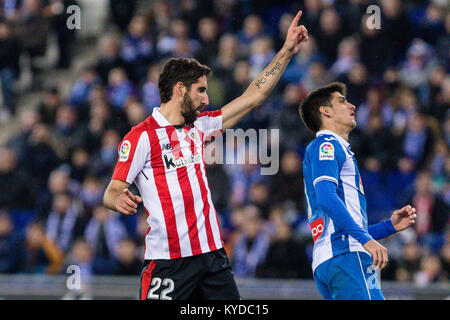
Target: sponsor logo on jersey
166	146
172	162
124	151
317	227
326	151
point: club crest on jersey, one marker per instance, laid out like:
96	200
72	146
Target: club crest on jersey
124	151
326	151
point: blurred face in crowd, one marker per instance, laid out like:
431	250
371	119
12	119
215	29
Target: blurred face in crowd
330	22
391	8
35	235
292	95
8	161
6	225
28	118
207	29
252	222
284	23
423	183
290	163
4	31
252	26
82	252
138	26
126	251
61	203
227	44
58	181
179	28
116	77
357	74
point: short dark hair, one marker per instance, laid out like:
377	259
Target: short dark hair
309	108
185	70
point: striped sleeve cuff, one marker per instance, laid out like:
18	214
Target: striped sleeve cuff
327	178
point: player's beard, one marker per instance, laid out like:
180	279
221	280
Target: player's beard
189	111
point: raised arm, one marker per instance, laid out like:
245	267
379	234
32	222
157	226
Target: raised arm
261	87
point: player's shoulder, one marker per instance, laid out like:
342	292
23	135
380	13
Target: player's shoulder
214	113
146	125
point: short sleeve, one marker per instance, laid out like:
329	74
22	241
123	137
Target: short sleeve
327	159
210	124
134	150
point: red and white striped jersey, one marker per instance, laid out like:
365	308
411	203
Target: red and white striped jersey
168	168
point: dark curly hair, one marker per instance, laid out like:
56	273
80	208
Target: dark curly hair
309	108
182	70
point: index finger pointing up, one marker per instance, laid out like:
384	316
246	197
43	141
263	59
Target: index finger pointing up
297	17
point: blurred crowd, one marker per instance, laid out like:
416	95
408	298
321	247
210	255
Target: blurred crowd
54	171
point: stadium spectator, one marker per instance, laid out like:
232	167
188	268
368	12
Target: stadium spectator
285	186
430	271
120	89
65	221
109	56
286	256
409	264
59	181
137	48
83	86
252	244
65	36
149	91
49	104
432	211
290	129
41	255
209	45
103	232
17	190
32	27
10	245
122	12
9	67
39	148
128	263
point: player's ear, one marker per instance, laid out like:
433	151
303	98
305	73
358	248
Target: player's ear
325	111
179	89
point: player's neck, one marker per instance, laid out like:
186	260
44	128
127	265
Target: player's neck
172	112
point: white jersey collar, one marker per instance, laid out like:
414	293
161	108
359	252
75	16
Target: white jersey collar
338	137
159	118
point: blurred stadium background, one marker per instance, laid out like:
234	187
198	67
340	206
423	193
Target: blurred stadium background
68	96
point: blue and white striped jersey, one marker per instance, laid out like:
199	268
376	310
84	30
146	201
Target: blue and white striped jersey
328	157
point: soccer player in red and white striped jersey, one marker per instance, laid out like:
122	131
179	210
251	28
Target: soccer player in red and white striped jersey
163	156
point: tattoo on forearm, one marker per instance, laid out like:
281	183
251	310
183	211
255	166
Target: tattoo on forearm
267	74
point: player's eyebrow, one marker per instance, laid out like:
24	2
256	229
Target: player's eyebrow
342	98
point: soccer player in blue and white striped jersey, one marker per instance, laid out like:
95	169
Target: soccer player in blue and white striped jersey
346	256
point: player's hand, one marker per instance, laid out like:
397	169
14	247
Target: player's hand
403	218
295	35
127	202
378	252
